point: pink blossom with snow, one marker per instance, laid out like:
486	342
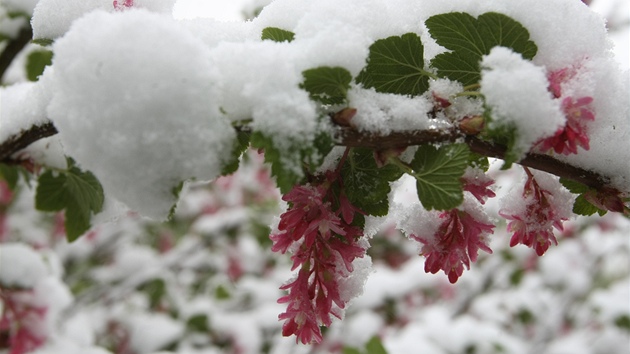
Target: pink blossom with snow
455	244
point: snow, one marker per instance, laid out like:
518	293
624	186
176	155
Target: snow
52	18
23	6
516	91
160	123
21	266
23	105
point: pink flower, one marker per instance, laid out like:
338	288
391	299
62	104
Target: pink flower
125	5
478	184
574	133
533	226
577	111
22	320
455	244
325	247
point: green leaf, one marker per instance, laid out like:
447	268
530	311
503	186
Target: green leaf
573	186
198	323
471	38
504	135
396	65
284	164
240	145
10	174
78	192
374	346
437	172
44	42
327	85
582	206
366	185
36	62
277	35
350	350
478	161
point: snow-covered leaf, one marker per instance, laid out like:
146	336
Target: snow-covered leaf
328	85
471	38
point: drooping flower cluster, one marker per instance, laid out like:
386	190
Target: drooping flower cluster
22	320
540	211
324	245
456	243
477	183
577	112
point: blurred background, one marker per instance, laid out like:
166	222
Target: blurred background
207	282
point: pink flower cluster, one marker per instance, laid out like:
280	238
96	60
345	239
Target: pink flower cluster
324	245
22	321
456	243
533	225
577	111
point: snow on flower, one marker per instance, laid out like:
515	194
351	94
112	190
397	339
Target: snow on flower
543	205
478	184
324	247
457	241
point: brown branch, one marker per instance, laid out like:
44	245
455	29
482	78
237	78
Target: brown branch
14	47
351	137
26	137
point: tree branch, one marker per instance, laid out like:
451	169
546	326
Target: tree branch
14	47
351	137
26	137
347	136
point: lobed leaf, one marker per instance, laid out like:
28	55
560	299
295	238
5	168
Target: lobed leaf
396	65
437	172
76	191
470	38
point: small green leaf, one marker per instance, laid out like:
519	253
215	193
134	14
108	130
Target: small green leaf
10	174
471	38
36	62
350	350
623	322
573	186
374	346
277	35
504	135
44	42
155	290
582	206
198	323
437	172
367	185
78	192
240	145
396	65
284	164
328	85
478	161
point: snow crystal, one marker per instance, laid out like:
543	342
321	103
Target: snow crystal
385	113
20	266
146	105
23	106
516	91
